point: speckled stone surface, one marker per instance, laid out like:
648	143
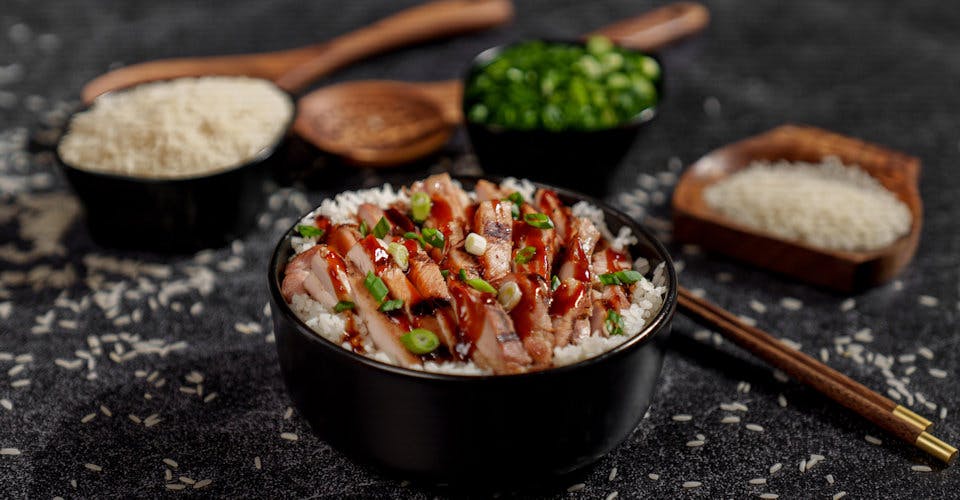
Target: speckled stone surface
887	72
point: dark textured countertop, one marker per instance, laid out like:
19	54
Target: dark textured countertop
886	72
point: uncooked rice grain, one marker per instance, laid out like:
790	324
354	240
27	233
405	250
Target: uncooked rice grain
754	427
576	487
827	205
921	468
872	440
178	128
692	484
289	436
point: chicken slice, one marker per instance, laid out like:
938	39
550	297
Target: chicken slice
486	331
531	318
493	221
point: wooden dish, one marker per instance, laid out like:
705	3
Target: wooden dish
695	222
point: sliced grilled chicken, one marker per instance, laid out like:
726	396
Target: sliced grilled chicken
369	214
297	270
370	255
571	310
435	311
549	203
384	330
488	191
542	241
343	237
493	221
531	318
487	332
580	245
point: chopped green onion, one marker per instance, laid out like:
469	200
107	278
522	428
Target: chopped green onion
391	305
614	323
343	305
364	230
483	286
509	295
433	236
554	283
475	244
420	204
516	198
416	237
537	220
628	277
376	286
445	273
525	254
400	254
309	231
620	278
420	341
382	228
463	275
609	279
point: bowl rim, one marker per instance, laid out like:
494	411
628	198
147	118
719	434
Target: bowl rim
656	325
261	156
645	115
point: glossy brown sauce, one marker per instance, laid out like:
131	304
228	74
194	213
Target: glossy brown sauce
351	334
533	292
440	212
337	268
377	253
570	295
525	235
399	221
616	261
471	310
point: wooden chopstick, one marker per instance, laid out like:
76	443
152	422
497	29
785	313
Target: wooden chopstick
829	382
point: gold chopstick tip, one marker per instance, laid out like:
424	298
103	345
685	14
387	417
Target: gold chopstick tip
912	417
930	444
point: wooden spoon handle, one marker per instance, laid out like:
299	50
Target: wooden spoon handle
659	27
447	96
294	68
433	20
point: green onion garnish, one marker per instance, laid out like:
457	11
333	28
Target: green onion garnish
483	286
391	305
629	277
382	228
539	221
343	305
614	323
376	286
445	273
554	283
309	231
400	254
420	341
516	198
410	235
525	254
433	237
364	230
463	275
620	278
609	279
420	204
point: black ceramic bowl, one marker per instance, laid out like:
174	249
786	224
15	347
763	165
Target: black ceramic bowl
175	215
575	159
491	429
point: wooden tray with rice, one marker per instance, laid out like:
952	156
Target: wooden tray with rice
695	221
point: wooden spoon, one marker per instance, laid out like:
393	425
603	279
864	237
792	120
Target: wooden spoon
293	69
382	123
695	222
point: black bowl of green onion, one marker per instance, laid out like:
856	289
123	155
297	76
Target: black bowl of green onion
563	112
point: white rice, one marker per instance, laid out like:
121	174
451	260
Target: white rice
827	205
178	128
646	299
